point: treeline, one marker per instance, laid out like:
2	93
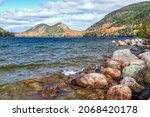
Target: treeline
144	30
6	34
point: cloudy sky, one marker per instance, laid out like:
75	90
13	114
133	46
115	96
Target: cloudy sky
19	15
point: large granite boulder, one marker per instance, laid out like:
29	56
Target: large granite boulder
132	84
138	62
143	76
113	64
132	70
124	56
146	57
119	92
114	73
94	80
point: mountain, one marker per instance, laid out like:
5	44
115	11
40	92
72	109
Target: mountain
44	30
4	33
123	22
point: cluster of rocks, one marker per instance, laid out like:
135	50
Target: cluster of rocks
133	42
123	76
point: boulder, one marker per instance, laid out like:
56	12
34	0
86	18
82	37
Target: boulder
132	84
114	73
137	50
133	42
122	43
49	91
36	86
140	44
146	57
123	56
94	80
143	76
61	85
119	92
138	62
132	70
144	95
127	41
114	64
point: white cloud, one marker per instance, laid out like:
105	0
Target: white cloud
78	14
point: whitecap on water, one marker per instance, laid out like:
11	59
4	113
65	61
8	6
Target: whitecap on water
72	71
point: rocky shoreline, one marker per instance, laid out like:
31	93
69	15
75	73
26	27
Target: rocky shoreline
123	75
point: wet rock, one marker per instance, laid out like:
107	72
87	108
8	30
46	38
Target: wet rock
101	94
94	80
146	57
127	41
29	81
61	85
123	56
132	70
114	64
36	86
49	91
133	42
122	43
119	92
92	96
114	73
97	68
132	84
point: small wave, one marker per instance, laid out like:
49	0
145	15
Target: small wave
4	46
72	72
14	67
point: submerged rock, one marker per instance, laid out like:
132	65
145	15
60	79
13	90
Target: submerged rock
132	84
124	56
49	91
36	86
119	92
94	80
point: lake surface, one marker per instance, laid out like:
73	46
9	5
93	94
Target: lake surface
23	58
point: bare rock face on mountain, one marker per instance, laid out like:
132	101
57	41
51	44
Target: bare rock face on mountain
44	30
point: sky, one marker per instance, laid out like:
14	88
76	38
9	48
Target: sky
20	15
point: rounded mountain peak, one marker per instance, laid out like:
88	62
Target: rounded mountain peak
62	25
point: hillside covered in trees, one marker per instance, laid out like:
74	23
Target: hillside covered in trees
128	21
